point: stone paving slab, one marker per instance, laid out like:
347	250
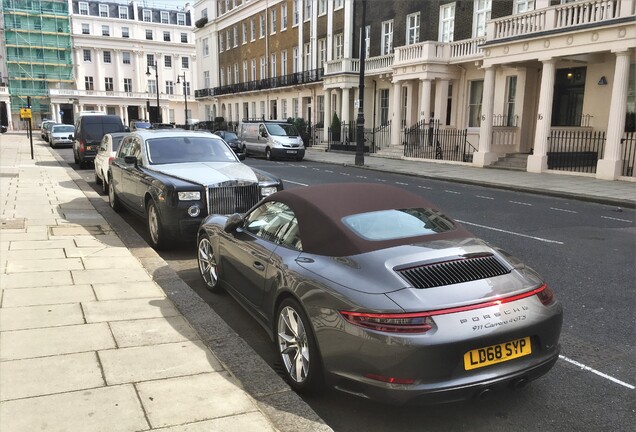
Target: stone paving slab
110	240
132	290
31	317
193	398
101	276
47	295
243	422
152	331
49	375
112	263
22	344
100	251
124	310
37	279
123	365
106	409
23	236
42	244
44	265
78	230
24	255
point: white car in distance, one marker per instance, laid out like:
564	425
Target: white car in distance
105	154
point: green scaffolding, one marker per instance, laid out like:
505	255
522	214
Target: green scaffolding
39	52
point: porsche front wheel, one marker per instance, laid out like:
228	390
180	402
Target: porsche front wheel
208	263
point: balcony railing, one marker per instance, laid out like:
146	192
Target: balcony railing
101	93
566	16
373	65
298	78
439	52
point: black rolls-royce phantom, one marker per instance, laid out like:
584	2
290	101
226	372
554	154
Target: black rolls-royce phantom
174	178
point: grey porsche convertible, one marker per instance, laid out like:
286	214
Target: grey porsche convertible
372	290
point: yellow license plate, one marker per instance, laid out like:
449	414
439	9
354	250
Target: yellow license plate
493	354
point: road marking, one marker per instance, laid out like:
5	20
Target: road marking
400	183
616	219
425	187
511	232
520	203
301	184
329	171
380	180
453	192
361	177
562	210
484	197
347	174
594	371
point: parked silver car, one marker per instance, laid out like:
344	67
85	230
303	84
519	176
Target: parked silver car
61	135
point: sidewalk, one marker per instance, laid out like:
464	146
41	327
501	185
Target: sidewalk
92	329
587	188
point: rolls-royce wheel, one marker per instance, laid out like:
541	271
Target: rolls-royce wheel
208	263
297	347
113	200
155	228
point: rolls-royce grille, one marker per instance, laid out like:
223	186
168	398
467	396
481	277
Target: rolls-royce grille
233	199
453	272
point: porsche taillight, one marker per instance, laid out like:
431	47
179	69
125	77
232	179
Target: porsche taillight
546	295
419	322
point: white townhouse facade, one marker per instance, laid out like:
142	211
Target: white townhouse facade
549	82
129	57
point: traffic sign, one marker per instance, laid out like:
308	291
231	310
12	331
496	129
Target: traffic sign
25	113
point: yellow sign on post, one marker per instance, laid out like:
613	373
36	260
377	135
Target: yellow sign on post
25	113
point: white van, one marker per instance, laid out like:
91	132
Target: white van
272	139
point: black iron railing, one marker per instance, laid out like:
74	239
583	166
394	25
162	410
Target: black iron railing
628	154
306	77
427	140
577	151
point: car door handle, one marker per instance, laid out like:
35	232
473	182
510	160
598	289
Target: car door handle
258	266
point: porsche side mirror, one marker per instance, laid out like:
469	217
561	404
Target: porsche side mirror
233	222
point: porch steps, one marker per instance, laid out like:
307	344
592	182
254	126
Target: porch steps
319	147
391	152
511	161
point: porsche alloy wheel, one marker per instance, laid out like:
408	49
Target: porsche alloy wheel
155	229
297	346
208	266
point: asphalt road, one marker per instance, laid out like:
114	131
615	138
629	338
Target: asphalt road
585	251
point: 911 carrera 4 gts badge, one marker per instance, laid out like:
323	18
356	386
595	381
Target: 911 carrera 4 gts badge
492	320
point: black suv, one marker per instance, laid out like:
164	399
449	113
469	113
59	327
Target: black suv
89	131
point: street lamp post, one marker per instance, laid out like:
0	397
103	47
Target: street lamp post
359	161
185	95
154	65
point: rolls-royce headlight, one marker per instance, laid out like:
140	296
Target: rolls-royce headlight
189	196
268	190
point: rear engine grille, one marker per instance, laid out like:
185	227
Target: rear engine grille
233	199
453	272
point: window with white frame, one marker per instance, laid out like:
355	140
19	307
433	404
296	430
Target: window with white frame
150	59
446	22
125	57
322	52
103	10
235	34
283	108
405	103
295	107
475	95
181	19
206	79
413	28
105	30
522	6
253	108
283	16
253	70
149	35
367	41
166	36
88	83
205	42
322	7
272	64
123	12
167	61
246	77
244	28
83	8
87	55
228	39
86	29
263	113
222	77
165	17
128	85
263	67
481	15
184	38
387	37
511	97
147	15
307	56
207	112
338	4
307	6
229	75
221	44
108	84
295	59
296	15
152	86
272	21
107	57
262	25
125	32
236	74
283	62
338	51
384	106
252	30
171	115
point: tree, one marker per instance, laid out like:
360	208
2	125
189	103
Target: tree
335	128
